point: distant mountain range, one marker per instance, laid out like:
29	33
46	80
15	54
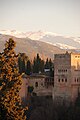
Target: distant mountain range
31	47
63	42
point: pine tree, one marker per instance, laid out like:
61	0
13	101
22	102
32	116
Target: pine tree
10	84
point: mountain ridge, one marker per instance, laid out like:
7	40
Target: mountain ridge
31	47
63	42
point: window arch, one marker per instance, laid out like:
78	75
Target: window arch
36	84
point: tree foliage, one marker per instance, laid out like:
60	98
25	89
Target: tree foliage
22	62
28	68
38	64
10	84
43	108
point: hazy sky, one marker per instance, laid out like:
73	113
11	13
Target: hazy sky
58	16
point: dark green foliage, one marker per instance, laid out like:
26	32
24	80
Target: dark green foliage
47	66
30	89
38	65
10	84
43	108
42	66
22	62
77	102
28	67
21	65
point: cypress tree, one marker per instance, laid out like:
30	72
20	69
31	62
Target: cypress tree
28	67
47	64
10	84
22	62
38	64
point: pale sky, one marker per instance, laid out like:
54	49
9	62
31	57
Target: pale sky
58	16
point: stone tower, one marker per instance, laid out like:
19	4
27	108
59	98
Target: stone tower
66	76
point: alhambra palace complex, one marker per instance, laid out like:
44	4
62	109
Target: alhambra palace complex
66	76
66	82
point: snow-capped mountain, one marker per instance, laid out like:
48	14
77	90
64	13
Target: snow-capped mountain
32	35
64	46
31	47
63	42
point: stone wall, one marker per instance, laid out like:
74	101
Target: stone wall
66	76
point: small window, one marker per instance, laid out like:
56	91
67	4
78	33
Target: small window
36	84
66	80
75	79
62	80
58	80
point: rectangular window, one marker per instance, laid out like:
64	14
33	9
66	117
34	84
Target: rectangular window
58	80
62	80
66	80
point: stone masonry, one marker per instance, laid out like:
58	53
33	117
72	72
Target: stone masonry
66	76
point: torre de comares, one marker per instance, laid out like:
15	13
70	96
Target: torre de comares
66	76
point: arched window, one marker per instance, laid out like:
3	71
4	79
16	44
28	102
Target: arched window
58	80
36	84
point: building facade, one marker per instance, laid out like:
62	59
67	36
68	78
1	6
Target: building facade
66	76
42	84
